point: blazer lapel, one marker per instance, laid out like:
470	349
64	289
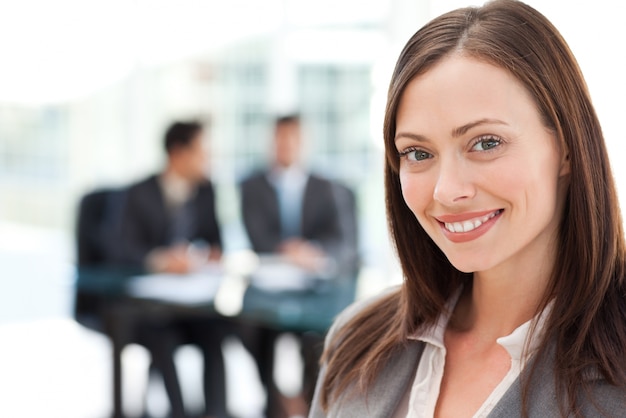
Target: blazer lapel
157	211
388	389
603	399
267	194
541	400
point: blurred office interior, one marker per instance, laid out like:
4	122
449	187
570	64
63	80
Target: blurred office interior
86	90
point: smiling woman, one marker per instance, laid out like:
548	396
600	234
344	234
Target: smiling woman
493	170
504	213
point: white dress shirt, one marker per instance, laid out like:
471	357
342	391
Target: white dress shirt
424	393
289	184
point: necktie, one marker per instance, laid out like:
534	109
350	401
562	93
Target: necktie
289	203
183	222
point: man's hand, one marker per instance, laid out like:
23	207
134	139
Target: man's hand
174	259
304	254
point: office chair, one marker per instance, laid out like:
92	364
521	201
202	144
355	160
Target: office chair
98	213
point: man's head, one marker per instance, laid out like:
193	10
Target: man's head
287	140
186	151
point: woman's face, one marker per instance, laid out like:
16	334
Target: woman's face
481	173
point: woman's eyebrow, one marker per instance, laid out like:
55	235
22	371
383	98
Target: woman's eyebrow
415	137
461	130
456	132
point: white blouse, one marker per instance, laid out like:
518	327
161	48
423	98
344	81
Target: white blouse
425	389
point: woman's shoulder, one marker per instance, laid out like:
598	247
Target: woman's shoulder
359	306
605	400
601	397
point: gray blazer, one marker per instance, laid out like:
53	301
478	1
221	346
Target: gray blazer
390	386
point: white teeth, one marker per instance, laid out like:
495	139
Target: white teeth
469	225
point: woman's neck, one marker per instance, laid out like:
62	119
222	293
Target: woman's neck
495	305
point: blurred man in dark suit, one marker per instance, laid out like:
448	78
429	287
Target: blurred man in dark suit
167	212
289	211
169	224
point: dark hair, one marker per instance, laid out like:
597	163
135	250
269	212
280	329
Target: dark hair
587	283
285	119
180	134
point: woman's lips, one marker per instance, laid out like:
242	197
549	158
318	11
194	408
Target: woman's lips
468	226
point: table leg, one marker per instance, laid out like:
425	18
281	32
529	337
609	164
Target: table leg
118	411
119	324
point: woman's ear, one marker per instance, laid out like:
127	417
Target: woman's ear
565	165
565	160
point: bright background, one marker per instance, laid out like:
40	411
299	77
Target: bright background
87	88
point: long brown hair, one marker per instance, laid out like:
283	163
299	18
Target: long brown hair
587	324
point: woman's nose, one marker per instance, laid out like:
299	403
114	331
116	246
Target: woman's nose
454	183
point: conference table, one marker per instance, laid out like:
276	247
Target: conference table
266	291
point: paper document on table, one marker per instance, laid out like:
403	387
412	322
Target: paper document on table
187	289
277	277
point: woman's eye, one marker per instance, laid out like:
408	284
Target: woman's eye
486	143
415	155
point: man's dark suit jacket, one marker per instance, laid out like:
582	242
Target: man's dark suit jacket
146	225
320	218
